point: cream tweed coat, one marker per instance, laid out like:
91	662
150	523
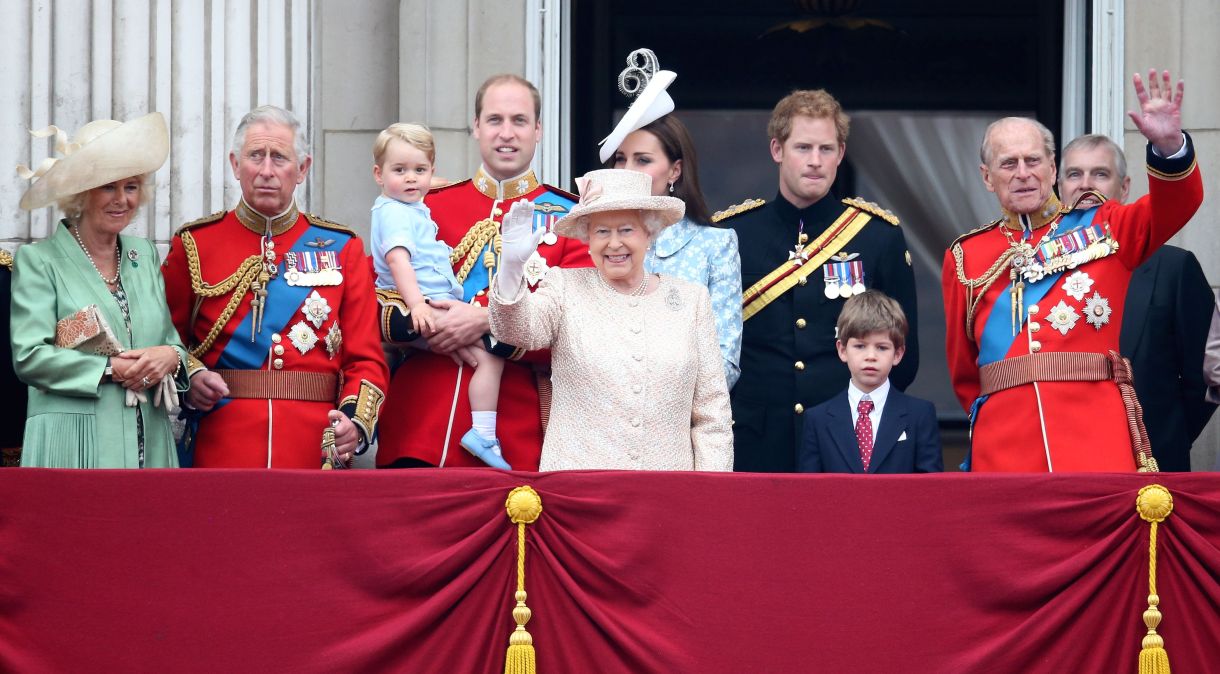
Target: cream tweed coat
638	382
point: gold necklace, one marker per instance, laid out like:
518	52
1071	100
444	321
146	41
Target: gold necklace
118	257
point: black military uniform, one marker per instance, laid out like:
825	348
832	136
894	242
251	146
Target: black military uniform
788	357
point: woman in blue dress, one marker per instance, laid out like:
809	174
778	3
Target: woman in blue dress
651	141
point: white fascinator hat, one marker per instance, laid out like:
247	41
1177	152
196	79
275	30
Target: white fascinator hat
643	77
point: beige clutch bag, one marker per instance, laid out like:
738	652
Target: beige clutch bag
87	330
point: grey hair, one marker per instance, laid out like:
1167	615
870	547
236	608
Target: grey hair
1091	141
1048	138
270	114
73	205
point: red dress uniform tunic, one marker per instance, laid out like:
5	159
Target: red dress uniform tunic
430	403
1085	422
280	432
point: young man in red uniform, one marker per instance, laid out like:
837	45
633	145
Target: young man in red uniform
1034	300
278	310
428	391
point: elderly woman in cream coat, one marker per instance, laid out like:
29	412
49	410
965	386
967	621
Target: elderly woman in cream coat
636	370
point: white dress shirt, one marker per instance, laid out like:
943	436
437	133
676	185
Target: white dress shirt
877	395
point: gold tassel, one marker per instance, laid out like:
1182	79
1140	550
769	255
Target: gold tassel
1153	504
524	506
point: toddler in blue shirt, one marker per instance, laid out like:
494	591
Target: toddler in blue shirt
408	257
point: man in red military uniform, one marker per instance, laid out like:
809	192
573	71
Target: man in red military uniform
428	391
278	310
1034	300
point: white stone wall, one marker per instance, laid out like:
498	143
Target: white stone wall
202	64
1180	36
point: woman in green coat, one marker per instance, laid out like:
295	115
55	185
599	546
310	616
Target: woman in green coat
88	410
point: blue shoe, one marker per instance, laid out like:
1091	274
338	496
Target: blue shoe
487	451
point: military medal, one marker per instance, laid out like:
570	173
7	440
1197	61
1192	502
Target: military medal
832	281
857	269
334	340
1063	317
1097	311
316	309
302	337
1078	285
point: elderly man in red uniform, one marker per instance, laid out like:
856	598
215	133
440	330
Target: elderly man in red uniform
428	391
277	308
1034	300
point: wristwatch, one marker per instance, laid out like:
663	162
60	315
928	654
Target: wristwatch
109	371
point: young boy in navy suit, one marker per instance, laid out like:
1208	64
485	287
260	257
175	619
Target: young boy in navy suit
871	427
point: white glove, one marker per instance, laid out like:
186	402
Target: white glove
164	394
518	241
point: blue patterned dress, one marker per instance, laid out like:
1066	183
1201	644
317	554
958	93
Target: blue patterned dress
708	256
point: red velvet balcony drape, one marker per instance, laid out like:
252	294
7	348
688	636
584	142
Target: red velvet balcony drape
208	571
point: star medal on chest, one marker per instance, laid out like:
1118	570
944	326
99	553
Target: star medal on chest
316	309
798	255
312	268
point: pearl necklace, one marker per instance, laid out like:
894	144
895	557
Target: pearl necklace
634	293
118	257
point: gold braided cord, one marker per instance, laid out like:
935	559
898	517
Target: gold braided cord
472	243
238	282
982	283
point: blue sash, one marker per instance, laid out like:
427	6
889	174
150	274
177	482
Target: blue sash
997	338
283	301
997	335
559	205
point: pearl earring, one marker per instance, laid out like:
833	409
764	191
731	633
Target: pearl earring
671	187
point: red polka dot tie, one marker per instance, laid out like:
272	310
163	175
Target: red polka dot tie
864	431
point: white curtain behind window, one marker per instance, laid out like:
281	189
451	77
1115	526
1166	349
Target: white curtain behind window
923	166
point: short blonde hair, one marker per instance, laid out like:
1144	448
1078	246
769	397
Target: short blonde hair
869	312
416	135
73	206
815	103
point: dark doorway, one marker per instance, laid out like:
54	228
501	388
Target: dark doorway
941	55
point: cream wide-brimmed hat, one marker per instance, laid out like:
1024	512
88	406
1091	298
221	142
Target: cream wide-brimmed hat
616	190
100	153
652	103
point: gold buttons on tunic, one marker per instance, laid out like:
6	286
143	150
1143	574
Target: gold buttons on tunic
278	363
802	280
1034	326
276	338
800	323
278	349
799	365
497	212
803	238
1035	347
798	408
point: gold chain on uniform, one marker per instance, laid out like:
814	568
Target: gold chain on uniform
478	236
984	282
238	282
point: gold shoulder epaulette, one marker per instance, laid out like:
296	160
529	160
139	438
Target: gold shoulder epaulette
737	209
327	224
6	259
872	208
205	220
977	230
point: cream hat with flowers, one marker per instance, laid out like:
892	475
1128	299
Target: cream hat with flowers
100	153
616	190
